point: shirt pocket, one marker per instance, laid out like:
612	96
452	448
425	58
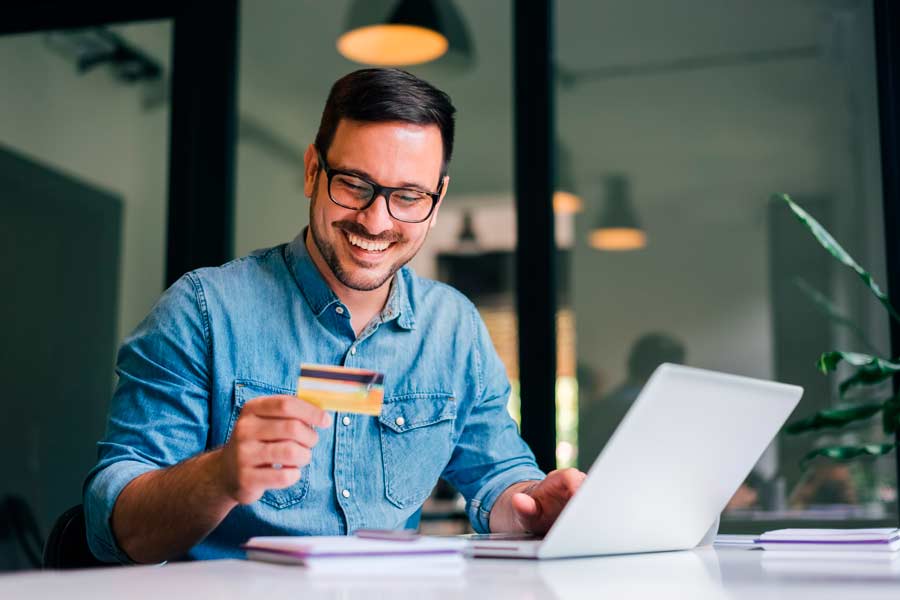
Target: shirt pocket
416	442
245	390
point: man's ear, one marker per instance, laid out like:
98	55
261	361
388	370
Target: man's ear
437	207
310	169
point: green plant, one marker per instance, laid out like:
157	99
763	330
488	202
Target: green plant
868	369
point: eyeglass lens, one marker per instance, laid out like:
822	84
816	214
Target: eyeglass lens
405	204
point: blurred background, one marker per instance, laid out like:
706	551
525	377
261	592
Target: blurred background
674	125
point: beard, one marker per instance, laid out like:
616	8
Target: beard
361	278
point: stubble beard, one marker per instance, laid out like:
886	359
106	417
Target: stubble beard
329	255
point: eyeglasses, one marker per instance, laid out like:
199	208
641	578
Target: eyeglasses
357	193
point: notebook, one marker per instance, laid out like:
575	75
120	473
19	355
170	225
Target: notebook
831	540
351	553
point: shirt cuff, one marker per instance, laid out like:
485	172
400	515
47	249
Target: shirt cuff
100	495
479	507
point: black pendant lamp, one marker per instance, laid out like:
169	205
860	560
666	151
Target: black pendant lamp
408	32
397	33
618	228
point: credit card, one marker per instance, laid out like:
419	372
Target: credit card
341	389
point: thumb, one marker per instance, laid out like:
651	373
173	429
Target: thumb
525	506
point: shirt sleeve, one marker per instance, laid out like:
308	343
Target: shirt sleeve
490	455
159	413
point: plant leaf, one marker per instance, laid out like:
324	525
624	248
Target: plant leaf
828	308
836	250
842	453
869	369
833	418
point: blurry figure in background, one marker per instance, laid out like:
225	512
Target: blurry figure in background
826	483
749	495
601	416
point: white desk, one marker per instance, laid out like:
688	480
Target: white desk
707	573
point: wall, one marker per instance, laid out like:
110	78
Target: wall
95	128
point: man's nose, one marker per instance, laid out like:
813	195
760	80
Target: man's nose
376	218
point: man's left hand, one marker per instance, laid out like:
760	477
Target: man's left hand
533	506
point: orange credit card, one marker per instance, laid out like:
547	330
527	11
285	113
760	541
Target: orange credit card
341	389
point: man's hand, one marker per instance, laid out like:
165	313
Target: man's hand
161	514
272	440
534	505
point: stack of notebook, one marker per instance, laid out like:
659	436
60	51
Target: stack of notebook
353	554
884	543
832	553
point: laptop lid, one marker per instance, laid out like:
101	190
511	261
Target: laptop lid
682	450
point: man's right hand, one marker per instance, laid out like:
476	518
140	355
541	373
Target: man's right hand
271	442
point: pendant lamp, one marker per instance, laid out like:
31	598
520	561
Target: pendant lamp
618	228
393	33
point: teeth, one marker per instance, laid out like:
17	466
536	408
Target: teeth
367	244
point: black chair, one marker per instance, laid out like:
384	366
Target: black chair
67	546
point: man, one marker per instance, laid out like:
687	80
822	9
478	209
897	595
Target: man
207	446
601	416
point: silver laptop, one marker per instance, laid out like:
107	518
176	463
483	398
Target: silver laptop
682	450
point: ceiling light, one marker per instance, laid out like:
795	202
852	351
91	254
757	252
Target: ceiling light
408	32
618	228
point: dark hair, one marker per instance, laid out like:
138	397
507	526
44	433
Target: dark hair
382	95
650	351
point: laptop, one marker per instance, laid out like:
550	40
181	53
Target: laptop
682	450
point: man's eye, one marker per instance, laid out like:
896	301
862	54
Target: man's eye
354	187
410	198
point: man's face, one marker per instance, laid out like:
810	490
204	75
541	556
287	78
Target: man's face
364	248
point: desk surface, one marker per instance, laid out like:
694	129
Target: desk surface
706	573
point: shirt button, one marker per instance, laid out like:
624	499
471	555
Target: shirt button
353	350
400	421
345	420
339	310
345	493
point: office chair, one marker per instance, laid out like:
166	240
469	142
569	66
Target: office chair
67	546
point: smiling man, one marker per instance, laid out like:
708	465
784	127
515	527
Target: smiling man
206	443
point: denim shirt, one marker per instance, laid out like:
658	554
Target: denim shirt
221	336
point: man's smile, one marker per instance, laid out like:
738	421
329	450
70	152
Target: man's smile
367	244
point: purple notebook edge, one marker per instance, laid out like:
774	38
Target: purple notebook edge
302	555
883	542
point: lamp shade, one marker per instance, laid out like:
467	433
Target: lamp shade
408	32
618	228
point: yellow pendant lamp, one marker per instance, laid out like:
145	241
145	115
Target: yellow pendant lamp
618	228
393	34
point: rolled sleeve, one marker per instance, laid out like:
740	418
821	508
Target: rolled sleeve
100	495
490	455
479	508
159	413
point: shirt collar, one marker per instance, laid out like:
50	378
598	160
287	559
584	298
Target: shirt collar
320	296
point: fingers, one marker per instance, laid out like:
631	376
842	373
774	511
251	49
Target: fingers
285	454
288	407
564	482
271	479
265	429
540	505
272	439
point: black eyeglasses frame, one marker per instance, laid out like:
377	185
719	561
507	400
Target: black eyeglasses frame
378	190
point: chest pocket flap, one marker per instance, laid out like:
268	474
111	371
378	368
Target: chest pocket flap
416	443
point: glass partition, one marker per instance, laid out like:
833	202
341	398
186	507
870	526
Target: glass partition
681	120
84	141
